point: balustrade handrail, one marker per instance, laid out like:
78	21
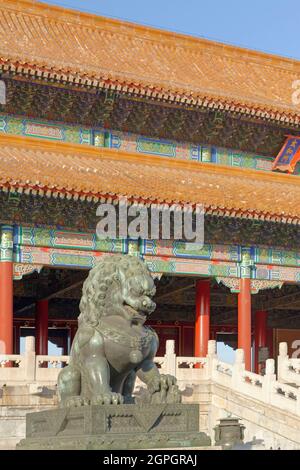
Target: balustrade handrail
11	357
288	367
48	358
268	388
195	360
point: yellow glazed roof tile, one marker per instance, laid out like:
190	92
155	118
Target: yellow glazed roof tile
59	41
29	164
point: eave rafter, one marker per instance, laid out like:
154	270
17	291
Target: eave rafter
204	101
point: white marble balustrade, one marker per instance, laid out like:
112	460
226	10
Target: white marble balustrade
280	391
288	367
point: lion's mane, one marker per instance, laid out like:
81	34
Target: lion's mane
104	276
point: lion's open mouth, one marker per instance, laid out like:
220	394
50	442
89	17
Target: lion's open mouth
137	316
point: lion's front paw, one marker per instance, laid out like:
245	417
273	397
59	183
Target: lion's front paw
174	395
164	390
108	398
75	401
161	383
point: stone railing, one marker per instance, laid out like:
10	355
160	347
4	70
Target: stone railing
265	388
288	368
30	368
189	371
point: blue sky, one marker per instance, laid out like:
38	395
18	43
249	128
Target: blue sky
266	25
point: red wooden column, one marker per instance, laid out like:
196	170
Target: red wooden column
244	320
260	336
202	317
6	307
6	290
41	327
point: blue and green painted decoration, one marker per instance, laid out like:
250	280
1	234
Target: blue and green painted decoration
126	141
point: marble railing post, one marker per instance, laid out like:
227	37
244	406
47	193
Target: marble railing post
30	359
211	357
170	358
268	380
282	360
238	368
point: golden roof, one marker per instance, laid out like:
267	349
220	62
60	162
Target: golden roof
62	170
53	42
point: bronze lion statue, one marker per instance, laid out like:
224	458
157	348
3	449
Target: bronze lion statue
112	346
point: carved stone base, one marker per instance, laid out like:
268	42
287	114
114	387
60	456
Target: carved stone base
115	427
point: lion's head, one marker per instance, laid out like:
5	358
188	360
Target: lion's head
117	285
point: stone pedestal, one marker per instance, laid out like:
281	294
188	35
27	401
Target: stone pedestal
115	427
